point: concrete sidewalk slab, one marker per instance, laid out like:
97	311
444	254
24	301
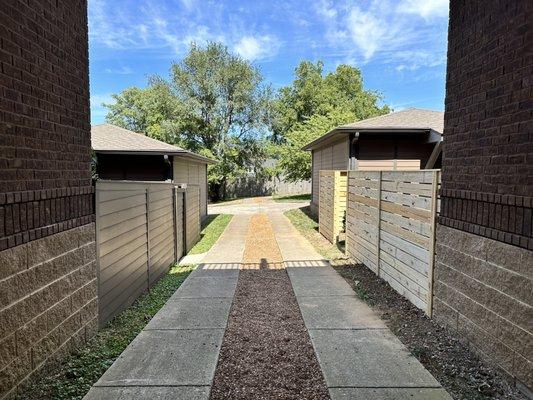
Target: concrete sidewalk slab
216	270
368	358
229	247
307	264
388	394
192	314
338	313
197	287
191	259
320	285
324	270
292	245
167	358
145	392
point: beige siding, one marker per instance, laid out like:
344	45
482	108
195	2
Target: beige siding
332	157
340	155
202	182
316	176
194	174
181	171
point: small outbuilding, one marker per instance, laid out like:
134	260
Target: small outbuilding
125	155
404	140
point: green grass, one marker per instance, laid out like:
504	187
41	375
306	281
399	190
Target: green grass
212	228
74	376
304	221
293	198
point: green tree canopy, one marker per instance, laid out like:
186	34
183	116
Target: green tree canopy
214	102
314	104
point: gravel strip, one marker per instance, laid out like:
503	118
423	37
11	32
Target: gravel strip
266	352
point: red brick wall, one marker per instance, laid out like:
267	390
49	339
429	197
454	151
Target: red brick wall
45	182
487	179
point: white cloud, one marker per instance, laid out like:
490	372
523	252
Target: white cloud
384	31
257	47
367	31
427	9
119	71
326	9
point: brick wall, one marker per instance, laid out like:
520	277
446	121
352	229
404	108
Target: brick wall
487	173
44	119
48	285
483	273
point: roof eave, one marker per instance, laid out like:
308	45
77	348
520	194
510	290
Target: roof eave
347	130
179	153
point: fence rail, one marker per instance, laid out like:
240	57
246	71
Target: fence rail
390	227
139	234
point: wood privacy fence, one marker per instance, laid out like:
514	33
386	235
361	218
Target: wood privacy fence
390	227
141	229
332	203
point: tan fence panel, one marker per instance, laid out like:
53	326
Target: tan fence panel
391	228
192	216
137	239
161	231
332	203
362	218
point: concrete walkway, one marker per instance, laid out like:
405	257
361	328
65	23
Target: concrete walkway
175	356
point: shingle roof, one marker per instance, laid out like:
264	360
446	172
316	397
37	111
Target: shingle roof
107	138
405	121
412	118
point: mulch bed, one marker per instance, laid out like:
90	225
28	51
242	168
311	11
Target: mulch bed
266	352
440	350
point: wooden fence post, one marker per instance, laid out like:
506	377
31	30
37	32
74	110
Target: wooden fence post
433	232
379	223
148	237
97	242
175	222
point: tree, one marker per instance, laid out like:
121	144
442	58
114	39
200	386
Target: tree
313	105
214	103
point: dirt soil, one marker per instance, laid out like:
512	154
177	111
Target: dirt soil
261	249
266	352
440	350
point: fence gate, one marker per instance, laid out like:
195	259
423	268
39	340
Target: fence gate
390	227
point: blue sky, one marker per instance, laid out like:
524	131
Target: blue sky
399	45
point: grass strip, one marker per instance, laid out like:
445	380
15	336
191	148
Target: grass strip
73	377
306	224
292	198
212	228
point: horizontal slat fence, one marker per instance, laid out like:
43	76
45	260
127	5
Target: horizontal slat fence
139	234
332	203
192	222
390	227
